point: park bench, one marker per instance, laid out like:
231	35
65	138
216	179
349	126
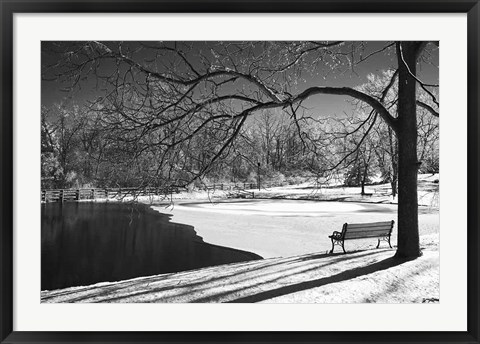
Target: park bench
350	231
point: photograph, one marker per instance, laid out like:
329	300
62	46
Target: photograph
285	172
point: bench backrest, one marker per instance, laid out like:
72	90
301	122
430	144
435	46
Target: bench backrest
367	230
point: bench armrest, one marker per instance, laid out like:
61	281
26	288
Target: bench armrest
336	235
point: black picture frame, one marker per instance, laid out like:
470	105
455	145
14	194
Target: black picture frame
10	7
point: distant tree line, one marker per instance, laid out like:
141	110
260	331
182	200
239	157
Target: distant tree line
81	149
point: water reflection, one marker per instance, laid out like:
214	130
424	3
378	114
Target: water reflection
86	243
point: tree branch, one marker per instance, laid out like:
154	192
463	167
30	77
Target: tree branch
209	75
347	91
357	146
428	108
389	86
421	83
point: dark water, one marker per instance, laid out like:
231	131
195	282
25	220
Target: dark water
86	243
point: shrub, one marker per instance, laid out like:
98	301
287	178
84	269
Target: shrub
294	180
276	178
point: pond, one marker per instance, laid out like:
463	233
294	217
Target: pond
86	243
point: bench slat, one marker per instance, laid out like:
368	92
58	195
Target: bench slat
365	235
350	230
369	225
368	230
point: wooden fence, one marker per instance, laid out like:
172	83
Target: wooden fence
241	186
64	195
228	186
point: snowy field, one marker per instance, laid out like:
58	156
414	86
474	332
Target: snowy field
428	193
290	230
282	228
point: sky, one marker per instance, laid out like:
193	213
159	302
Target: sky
326	104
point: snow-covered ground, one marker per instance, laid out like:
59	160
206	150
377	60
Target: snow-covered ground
284	227
428	193
381	193
359	277
289	227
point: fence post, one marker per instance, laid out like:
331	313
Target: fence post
61	195
92	196
77	194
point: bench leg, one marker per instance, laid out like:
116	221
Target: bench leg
387	239
338	242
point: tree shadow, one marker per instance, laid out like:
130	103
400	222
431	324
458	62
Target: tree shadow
343	276
249	270
272	277
202	284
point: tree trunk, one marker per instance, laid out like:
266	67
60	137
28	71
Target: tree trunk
393	143
408	236
364	178
393	184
